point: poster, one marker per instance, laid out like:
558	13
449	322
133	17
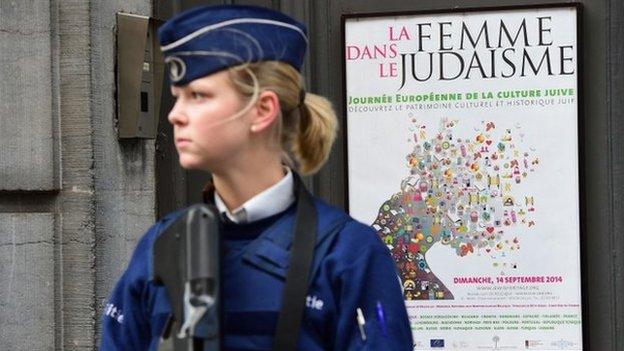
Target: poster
462	149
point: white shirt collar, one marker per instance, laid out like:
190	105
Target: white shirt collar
269	202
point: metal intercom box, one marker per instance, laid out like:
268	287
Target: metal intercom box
139	76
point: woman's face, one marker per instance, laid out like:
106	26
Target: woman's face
205	133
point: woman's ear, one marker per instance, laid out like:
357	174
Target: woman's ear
266	111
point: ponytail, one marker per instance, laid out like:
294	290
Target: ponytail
316	133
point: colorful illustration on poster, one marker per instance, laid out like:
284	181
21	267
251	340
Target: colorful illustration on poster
461	192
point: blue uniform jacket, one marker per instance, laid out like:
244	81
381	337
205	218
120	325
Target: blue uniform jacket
351	269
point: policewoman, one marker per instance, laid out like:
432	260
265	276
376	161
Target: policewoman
242	114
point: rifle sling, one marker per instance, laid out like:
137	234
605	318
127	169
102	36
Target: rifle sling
297	276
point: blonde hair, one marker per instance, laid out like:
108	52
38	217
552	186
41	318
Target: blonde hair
306	129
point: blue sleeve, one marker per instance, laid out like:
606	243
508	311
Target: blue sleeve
126	321
368	279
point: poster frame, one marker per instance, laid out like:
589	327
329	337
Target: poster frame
577	6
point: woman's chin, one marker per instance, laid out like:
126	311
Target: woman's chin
190	163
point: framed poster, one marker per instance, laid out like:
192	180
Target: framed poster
462	140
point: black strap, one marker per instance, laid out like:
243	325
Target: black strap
301	255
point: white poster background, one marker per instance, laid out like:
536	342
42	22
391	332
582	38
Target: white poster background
378	143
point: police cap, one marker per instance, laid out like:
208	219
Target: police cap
208	39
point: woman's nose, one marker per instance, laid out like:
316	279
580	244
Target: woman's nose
176	115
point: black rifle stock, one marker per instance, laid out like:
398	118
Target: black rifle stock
186	261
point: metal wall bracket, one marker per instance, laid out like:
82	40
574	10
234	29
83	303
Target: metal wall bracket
140	71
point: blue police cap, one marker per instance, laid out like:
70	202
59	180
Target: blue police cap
208	39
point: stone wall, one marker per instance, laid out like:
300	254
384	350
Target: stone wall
73	199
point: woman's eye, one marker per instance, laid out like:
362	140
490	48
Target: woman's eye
195	95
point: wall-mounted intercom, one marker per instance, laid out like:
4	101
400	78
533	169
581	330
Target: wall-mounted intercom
139	76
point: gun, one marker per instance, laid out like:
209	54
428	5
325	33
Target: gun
186	261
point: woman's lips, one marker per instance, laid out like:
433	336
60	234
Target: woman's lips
180	142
